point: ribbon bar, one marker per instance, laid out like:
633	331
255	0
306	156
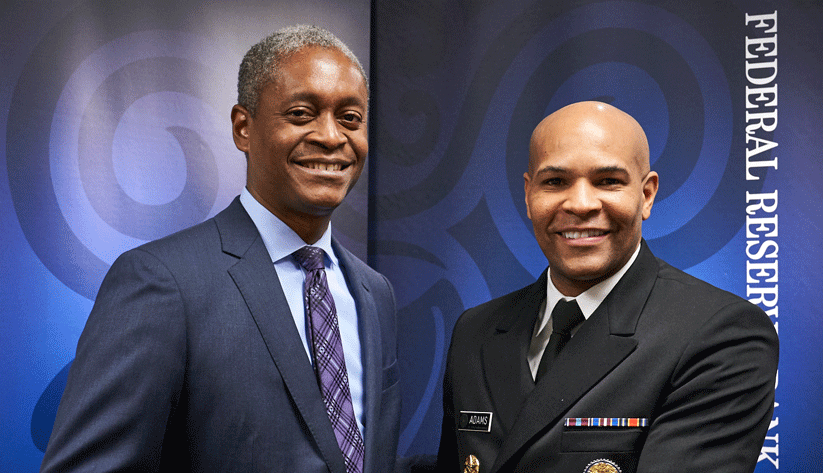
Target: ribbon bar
607	422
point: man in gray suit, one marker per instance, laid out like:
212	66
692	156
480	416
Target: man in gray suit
200	353
612	361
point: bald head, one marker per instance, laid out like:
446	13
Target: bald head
588	190
590	123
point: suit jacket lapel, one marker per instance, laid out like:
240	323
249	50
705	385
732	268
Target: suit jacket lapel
600	344
508	348
257	282
371	343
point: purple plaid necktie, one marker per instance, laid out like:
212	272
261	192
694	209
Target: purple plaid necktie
329	363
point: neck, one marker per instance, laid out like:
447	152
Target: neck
308	226
309	231
574	289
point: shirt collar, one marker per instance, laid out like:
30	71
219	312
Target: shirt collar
279	239
590	299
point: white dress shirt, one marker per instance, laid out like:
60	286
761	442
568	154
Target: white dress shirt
589	301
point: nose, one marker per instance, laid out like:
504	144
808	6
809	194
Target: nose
327	133
582	199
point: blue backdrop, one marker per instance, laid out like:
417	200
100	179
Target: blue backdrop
117	132
459	87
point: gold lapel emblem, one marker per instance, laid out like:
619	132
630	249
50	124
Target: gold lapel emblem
471	465
602	466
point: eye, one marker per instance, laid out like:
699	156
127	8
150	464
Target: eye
351	119
299	114
611	182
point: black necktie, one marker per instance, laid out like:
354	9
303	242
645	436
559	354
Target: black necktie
565	316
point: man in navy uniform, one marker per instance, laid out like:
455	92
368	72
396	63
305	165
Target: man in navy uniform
612	361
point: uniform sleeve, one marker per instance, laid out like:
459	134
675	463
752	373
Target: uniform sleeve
447	458
126	378
717	410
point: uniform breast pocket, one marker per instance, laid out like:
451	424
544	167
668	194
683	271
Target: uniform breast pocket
603	440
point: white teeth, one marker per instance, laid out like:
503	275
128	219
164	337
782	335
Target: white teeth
323	166
583	234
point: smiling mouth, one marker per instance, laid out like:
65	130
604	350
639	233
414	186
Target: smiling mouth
584	234
324	166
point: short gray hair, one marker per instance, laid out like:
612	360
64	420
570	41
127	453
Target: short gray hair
262	62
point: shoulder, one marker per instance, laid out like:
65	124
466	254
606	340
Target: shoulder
189	240
504	302
702	305
201	245
484	319
165	263
185	247
231	230
682	286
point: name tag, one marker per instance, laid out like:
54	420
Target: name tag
474	421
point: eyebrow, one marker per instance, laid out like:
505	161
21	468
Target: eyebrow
600	170
551	169
312	97
612	169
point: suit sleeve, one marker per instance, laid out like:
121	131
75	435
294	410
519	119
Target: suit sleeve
719	404
127	375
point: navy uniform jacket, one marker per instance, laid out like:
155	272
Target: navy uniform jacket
190	361
699	363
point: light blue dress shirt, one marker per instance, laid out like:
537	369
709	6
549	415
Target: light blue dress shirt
281	241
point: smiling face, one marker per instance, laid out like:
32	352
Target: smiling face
308	140
588	190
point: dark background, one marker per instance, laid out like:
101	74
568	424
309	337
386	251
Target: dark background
117	131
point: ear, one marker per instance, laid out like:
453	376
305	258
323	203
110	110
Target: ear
526	184
649	191
240	123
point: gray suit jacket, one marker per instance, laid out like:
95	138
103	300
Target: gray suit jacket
190	361
698	362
